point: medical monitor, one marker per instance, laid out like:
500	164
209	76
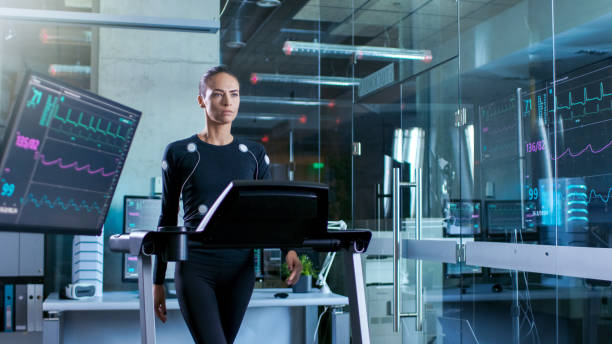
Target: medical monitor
62	155
504	217
462	217
142	213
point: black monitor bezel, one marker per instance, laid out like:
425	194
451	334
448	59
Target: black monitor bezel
9	136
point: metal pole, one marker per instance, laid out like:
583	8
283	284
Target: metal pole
145	288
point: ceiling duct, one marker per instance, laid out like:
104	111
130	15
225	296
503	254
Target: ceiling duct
235	41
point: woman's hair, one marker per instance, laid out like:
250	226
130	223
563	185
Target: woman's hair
212	72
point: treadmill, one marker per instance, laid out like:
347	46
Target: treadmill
254	214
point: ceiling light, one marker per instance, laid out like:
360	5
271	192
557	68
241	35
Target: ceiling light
69	71
360	52
287	101
268	3
304	79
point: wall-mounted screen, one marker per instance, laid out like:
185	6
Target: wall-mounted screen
62	156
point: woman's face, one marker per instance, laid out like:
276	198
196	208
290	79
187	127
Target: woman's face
222	98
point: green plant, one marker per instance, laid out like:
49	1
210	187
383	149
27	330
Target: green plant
307	268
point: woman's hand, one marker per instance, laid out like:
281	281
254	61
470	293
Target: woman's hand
159	301
295	266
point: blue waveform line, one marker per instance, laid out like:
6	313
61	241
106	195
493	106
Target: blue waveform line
585	99
600	196
44	200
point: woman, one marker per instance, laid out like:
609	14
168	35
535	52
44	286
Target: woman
213	286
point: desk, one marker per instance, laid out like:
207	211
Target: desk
114	318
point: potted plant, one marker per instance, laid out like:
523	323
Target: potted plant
304	284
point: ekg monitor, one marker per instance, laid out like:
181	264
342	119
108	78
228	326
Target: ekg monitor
61	158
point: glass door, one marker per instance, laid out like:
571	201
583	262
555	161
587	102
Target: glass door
405	143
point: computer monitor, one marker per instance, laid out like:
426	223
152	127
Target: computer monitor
462	217
63	151
142	213
504	217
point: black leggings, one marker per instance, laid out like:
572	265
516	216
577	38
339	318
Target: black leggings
213	289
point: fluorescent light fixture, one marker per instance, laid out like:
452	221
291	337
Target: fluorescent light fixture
268	3
287	101
268	116
304	79
67	36
360	52
69	71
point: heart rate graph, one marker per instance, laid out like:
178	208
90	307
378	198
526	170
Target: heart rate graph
73	165
60	204
582	98
57	114
589	148
63	155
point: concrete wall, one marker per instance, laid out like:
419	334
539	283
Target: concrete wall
156	72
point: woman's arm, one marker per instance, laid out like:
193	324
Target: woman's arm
169	206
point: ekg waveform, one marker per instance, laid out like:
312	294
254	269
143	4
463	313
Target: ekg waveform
51	112
58	203
74	165
585	98
588	147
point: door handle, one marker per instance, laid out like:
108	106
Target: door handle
397	185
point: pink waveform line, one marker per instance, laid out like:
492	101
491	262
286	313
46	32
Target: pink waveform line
588	147
74	165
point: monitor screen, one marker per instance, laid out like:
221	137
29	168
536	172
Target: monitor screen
503	217
462	217
63	152
142	213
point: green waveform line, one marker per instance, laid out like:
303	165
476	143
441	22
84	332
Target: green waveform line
36	97
585	98
90	127
88	138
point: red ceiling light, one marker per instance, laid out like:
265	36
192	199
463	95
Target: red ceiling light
265	139
303	119
253	78
331	104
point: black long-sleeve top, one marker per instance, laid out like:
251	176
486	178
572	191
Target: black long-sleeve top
201	171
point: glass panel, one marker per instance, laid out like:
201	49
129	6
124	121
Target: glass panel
505	87
581	124
406	123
